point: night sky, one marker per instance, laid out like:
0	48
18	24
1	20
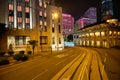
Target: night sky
76	7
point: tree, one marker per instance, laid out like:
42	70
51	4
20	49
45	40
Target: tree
33	43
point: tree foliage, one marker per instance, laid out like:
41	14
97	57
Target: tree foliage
33	43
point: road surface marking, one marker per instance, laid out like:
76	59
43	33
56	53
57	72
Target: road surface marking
40	74
11	70
61	55
60	62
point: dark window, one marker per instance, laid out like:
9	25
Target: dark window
45	28
11	13
43	40
27	15
53	29
59	40
27	4
19	14
53	40
59	29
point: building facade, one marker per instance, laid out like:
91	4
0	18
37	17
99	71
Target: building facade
104	34
55	23
89	17
112	6
68	24
26	20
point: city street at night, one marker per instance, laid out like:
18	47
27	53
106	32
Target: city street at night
75	63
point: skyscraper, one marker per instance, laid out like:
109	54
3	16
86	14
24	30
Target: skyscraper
68	24
112	6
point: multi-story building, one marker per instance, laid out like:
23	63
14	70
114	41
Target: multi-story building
26	20
55	24
68	24
104	34
89	17
108	5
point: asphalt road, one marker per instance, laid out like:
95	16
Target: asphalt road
80	64
40	68
111	60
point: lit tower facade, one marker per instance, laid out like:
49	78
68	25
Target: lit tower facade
68	24
89	17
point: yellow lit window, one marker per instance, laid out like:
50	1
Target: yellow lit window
97	33
110	32
103	33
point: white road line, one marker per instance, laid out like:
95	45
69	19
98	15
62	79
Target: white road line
10	70
60	62
40	74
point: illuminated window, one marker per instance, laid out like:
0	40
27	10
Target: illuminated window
45	5
91	34
19	8
40	13
27	20
10	6
118	33
27	0
11	19
79	35
110	32
87	35
19	20
45	14
40	4
20	40
53	25
97	33
103	33
115	32
45	23
40	22
27	9
43	40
